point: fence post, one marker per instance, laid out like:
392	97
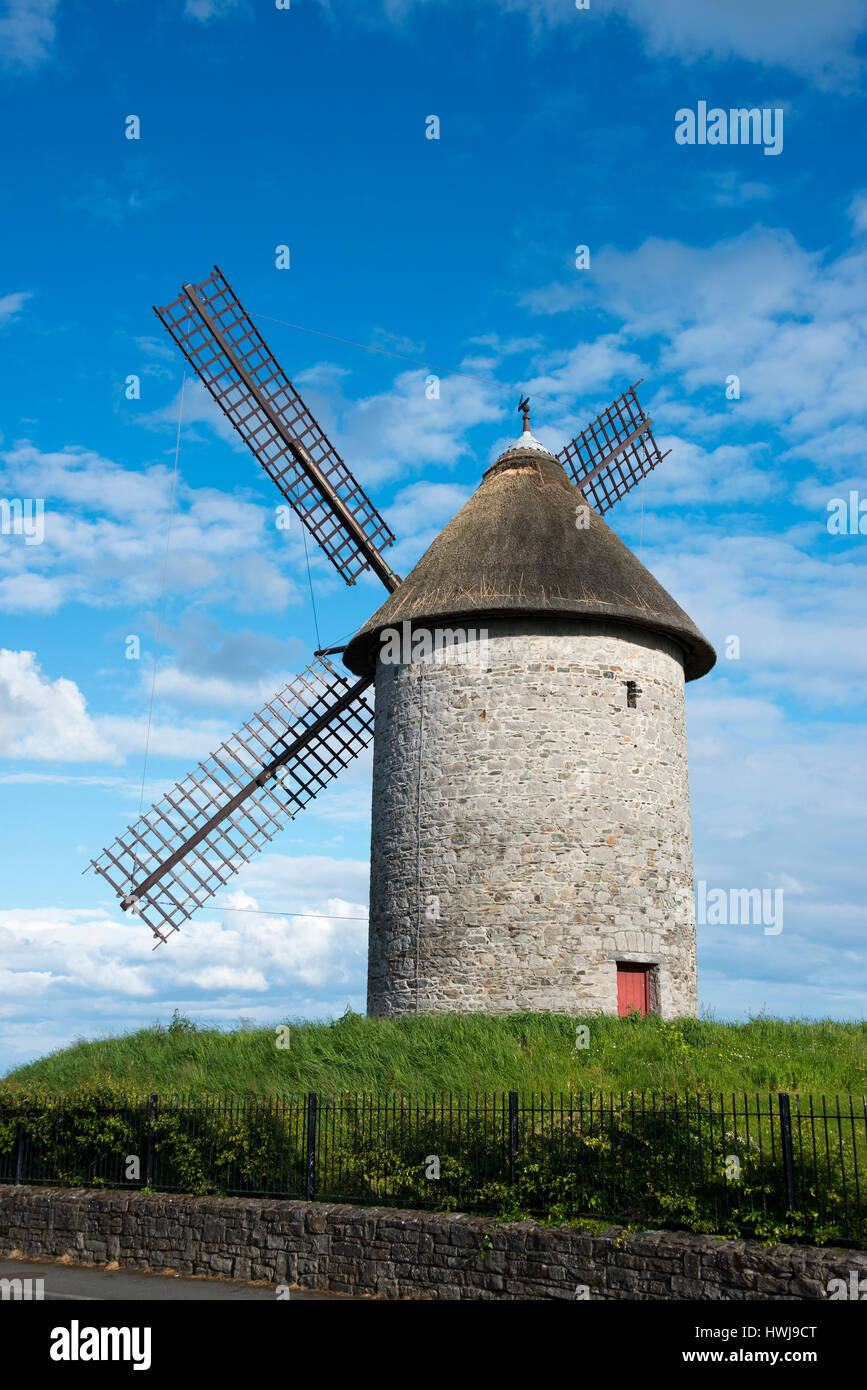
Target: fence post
786	1148
310	1184
153	1102
513	1133
19	1154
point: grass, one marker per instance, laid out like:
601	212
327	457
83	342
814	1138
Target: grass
467	1052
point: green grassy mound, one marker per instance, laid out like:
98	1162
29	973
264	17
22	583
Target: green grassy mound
466	1052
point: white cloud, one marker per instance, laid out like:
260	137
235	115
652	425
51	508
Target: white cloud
188	688
568	387
102	200
155	347
199	408
31	593
399	431
816	41
796	613
230	977
85	479
396	343
105	536
185	740
26	32
12	304
299	882
96	969
780	804
423	508
789	323
25	984
206	10
693	474
666	284
65	778
44	719
507	347
858	212
203	664
317	951
585	369
729	188
48	721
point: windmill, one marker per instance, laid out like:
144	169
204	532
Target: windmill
177	855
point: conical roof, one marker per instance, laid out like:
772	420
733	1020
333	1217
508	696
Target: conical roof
513	548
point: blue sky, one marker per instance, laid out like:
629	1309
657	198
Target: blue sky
306	127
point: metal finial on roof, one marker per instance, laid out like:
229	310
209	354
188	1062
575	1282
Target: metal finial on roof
525	443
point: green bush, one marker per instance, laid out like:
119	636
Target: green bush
663	1161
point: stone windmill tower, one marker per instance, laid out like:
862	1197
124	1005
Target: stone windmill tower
531	842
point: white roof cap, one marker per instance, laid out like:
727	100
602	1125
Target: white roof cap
526	443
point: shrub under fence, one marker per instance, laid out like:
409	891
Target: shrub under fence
772	1166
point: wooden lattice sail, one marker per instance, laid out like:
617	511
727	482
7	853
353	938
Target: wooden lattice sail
190	843
218	338
613	453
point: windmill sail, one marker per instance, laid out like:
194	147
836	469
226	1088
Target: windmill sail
614	452
218	338
177	855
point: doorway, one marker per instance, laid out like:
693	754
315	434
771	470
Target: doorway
633	988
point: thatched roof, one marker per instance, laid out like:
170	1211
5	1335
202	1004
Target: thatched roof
514	548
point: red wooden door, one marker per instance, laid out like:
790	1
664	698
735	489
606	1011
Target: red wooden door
632	991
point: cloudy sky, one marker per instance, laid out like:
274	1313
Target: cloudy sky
262	126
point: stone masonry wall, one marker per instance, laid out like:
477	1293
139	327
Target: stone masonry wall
529	828
404	1254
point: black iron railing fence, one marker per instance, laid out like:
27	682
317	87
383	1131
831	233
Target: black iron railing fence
750	1164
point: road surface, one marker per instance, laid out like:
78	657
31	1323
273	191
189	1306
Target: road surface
83	1283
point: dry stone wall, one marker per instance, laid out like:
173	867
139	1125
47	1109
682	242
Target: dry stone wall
530	829
406	1254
